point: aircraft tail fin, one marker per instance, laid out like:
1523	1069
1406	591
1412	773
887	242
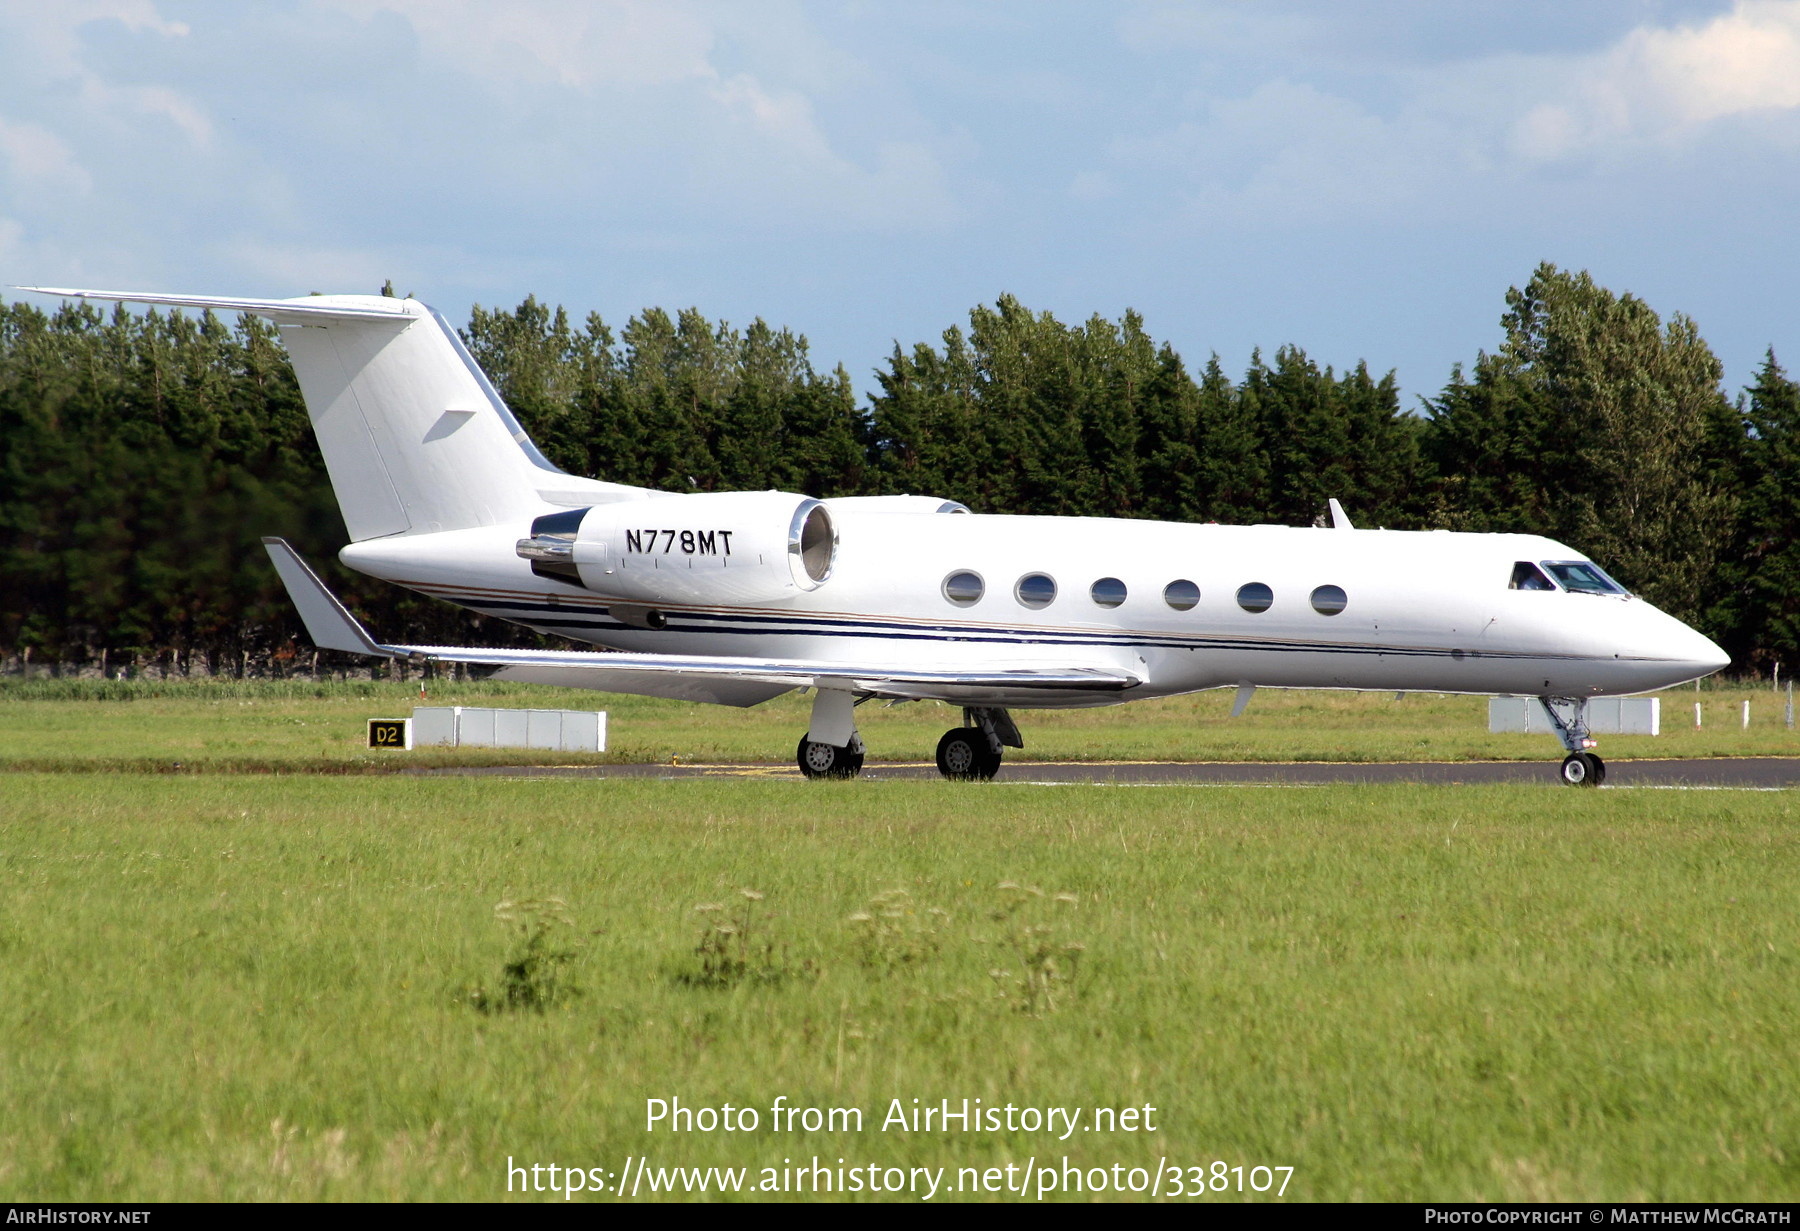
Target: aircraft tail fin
414	436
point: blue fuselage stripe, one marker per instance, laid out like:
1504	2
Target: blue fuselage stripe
548	618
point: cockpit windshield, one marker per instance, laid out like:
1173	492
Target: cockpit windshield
1528	576
1581	577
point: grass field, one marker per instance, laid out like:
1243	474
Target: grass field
226	726
254	987
258	986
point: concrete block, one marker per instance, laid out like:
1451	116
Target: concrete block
1606	716
435	726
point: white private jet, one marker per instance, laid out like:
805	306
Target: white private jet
737	597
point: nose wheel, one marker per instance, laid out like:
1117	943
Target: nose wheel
1569	716
1583	769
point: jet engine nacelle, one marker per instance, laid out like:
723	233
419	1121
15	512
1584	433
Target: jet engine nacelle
724	547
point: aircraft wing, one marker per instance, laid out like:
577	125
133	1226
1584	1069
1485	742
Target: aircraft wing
717	679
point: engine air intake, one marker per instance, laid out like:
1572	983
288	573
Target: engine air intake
813	541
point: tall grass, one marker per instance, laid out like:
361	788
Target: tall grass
260	988
287	726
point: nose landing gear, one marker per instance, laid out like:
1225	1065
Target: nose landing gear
1581	767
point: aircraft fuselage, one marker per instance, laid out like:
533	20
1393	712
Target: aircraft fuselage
1272	606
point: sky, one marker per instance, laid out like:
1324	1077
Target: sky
1364	180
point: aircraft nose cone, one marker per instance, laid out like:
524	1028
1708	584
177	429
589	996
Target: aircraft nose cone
1666	651
1714	659
1697	653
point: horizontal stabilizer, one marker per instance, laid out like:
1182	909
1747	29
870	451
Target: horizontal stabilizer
328	624
282	311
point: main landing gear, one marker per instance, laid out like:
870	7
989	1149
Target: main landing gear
831	747
1569	715
972	752
828	760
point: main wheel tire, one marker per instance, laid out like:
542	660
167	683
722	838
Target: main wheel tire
1583	769
963	754
818	760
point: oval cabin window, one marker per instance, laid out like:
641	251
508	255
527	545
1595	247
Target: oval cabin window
1255	597
1035	590
964	588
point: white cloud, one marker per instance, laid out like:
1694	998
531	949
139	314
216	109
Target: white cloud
1451	140
787	117
1667	84
125	103
1247	30
1290	151
12	241
47	40
53	31
1748	60
579	44
40	160
779	153
621	101
317	267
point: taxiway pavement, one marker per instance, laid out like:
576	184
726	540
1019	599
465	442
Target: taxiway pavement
1743	773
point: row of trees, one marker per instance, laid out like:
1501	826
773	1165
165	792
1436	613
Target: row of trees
141	456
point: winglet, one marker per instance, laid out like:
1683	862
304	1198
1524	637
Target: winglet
1340	520
328	623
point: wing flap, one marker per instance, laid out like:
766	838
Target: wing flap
713	689
660	674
